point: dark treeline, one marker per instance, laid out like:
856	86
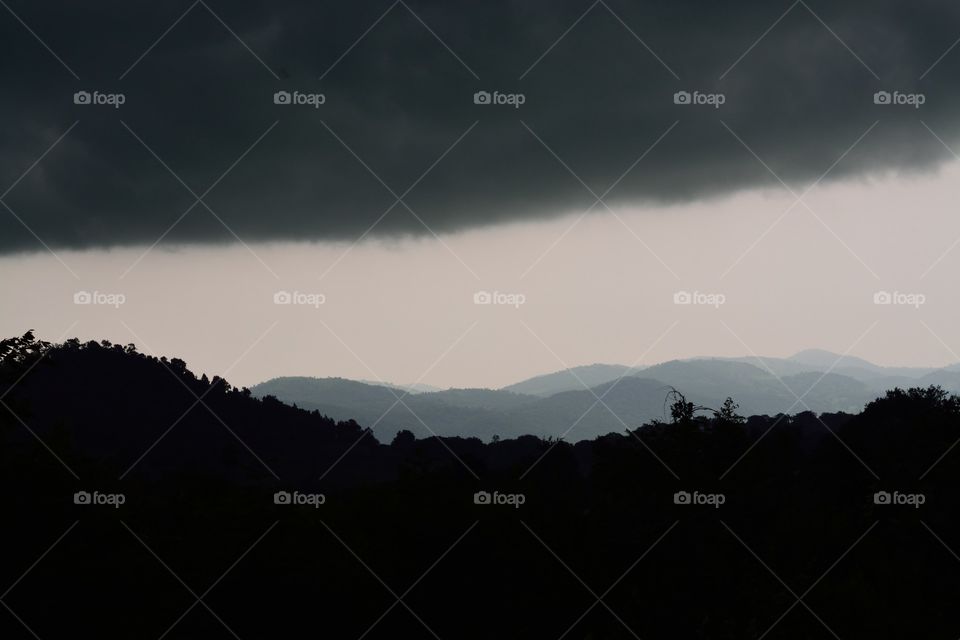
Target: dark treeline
780	508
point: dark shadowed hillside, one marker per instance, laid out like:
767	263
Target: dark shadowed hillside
127	477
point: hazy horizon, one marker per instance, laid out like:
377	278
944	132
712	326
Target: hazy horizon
261	200
834	363
392	309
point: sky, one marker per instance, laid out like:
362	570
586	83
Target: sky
405	192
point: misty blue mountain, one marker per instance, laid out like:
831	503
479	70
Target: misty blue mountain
565	403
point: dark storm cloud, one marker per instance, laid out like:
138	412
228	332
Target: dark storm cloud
399	118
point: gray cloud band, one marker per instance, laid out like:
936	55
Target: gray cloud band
397	118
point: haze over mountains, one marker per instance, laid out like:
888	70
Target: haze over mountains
588	401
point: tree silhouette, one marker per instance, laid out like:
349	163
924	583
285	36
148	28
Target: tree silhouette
199	492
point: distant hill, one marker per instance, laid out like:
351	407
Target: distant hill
576	413
416	387
494	399
387	411
820	360
832	392
945	378
477	412
303	390
550	404
715	379
573	379
876	378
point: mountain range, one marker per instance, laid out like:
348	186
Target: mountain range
592	400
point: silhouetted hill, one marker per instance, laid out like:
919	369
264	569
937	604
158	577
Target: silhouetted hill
152	416
686	517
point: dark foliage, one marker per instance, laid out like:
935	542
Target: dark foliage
198	463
